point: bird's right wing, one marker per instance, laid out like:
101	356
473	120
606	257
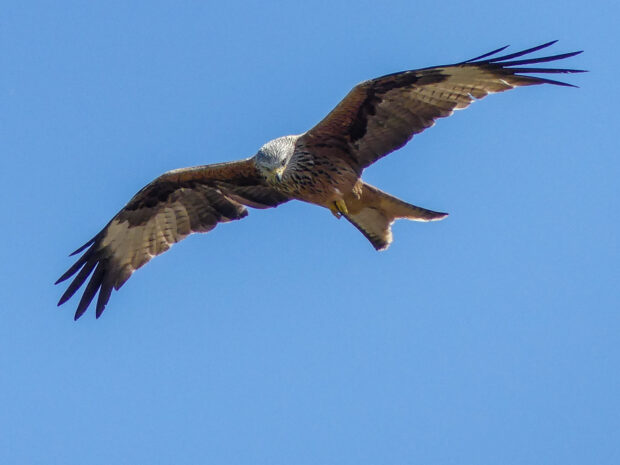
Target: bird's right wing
167	210
381	115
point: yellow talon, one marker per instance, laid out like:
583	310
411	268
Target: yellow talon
341	206
334	210
338	208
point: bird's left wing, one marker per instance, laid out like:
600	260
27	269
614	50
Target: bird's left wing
381	115
167	210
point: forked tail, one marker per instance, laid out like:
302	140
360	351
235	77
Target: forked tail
376	211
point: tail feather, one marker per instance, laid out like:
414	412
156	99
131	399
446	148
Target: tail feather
373	224
378	210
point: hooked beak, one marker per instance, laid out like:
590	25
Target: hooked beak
278	173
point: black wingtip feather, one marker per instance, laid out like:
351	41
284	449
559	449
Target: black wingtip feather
488	54
522	52
78	281
547	70
104	295
530	61
91	289
75	252
102	300
74	268
554	82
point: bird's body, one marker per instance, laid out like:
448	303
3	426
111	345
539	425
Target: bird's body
333	180
322	166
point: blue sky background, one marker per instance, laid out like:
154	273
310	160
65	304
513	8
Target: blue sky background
488	338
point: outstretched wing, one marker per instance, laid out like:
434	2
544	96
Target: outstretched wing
174	205
381	115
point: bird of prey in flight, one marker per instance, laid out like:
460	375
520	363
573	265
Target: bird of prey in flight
322	166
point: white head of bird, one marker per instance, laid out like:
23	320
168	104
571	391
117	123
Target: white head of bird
272	157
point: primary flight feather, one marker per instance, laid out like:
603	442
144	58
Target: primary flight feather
322	166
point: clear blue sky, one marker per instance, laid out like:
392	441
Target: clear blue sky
488	338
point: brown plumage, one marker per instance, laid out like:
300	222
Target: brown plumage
164	212
322	166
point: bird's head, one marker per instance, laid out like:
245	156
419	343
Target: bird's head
272	158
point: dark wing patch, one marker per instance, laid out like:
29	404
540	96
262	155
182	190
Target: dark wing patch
176	204
381	115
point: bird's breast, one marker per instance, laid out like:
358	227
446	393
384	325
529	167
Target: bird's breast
318	180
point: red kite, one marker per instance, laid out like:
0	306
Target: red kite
322	166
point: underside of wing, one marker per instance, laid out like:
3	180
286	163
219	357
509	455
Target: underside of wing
167	210
381	115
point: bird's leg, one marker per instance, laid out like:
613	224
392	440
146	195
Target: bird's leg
338	208
358	189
